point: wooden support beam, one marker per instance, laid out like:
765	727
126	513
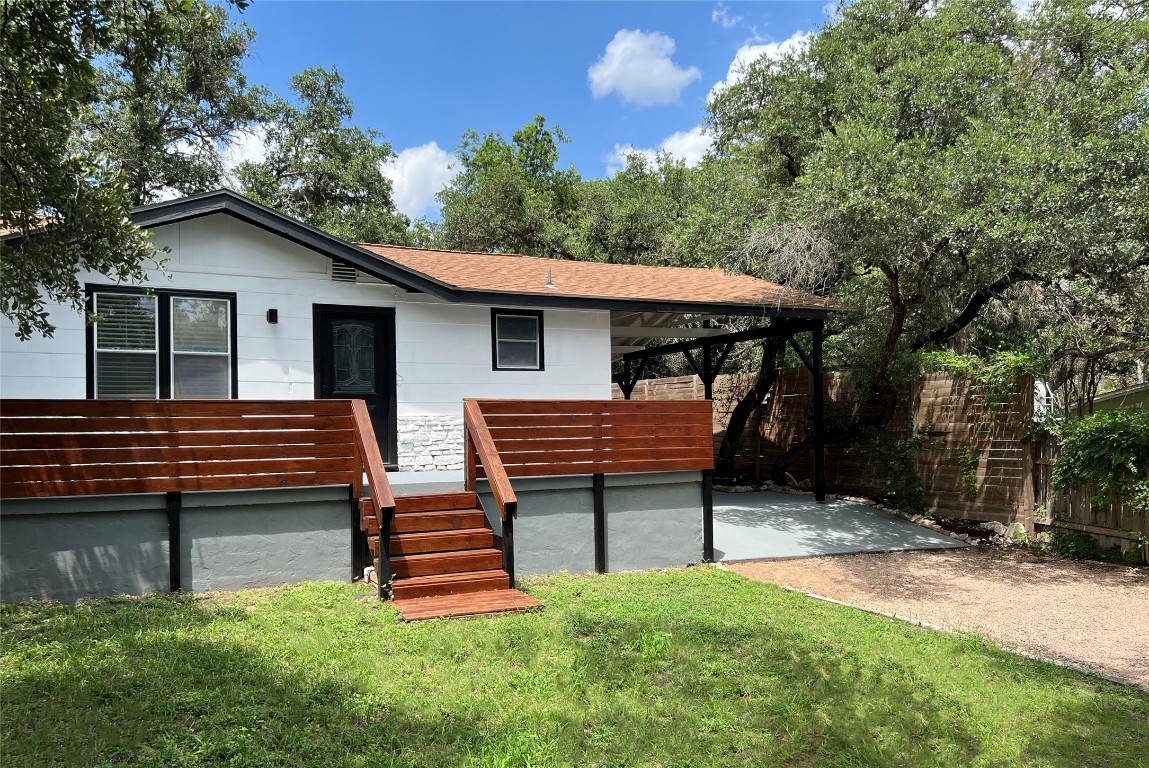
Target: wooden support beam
776	328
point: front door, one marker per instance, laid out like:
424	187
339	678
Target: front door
355	360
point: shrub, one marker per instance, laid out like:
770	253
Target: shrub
1109	449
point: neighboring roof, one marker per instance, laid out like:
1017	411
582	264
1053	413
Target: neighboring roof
1129	397
489	278
501	273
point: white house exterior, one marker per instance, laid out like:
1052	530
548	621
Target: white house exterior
239	307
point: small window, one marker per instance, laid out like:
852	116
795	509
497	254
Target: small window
162	344
517	340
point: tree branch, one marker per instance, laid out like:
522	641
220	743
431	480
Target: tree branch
974	306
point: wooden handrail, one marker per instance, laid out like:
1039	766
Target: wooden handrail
371	458
484	446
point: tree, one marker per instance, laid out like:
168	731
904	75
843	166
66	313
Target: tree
511	196
934	156
320	168
162	112
50	184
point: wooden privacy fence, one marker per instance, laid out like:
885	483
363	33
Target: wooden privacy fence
536	438
1111	524
97	447
960	426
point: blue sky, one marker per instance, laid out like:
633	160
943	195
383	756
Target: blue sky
613	75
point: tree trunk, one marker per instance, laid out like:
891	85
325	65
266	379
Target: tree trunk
767	374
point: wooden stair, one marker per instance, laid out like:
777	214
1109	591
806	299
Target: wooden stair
445	560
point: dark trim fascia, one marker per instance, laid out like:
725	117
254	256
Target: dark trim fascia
637	305
538	314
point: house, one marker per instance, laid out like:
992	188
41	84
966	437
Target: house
252	304
254	307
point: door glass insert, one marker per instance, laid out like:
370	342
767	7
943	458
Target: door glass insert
354	344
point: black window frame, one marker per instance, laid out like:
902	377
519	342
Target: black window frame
164	298
535	313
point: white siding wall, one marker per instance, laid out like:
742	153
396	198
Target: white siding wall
443	351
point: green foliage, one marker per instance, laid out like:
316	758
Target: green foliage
967	459
897	459
932	159
1109	449
1001	375
510	197
1082	546
51	54
163	111
320	168
688	667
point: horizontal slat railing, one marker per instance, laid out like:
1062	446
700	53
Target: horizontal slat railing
564	437
84	447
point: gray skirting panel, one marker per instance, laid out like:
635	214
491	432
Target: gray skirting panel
67	549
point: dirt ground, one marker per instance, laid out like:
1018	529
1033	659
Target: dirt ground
1092	615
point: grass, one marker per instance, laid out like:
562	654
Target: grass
695	667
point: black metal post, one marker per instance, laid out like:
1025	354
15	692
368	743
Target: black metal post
708	516
358	538
819	414
383	569
599	486
509	546
175	574
707	373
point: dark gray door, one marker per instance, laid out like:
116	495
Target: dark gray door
355	360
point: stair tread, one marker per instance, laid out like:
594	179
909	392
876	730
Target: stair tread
467	604
446	532
425	502
443	578
452	554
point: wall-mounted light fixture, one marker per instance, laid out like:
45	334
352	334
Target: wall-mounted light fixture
273	316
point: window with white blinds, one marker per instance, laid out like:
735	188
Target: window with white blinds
125	345
517	340
162	345
201	348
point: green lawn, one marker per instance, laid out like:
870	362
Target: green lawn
695	667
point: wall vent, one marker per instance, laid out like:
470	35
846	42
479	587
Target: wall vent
341	273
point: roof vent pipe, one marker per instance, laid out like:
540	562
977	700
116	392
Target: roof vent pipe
551	279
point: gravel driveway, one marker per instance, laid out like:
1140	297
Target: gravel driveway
1093	615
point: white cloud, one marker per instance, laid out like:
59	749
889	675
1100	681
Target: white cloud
636	65
752	52
247	146
689	146
417	174
721	15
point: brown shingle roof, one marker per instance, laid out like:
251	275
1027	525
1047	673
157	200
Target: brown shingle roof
511	273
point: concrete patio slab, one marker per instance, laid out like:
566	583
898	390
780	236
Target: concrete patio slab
772	526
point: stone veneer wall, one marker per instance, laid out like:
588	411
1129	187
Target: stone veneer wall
430	442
